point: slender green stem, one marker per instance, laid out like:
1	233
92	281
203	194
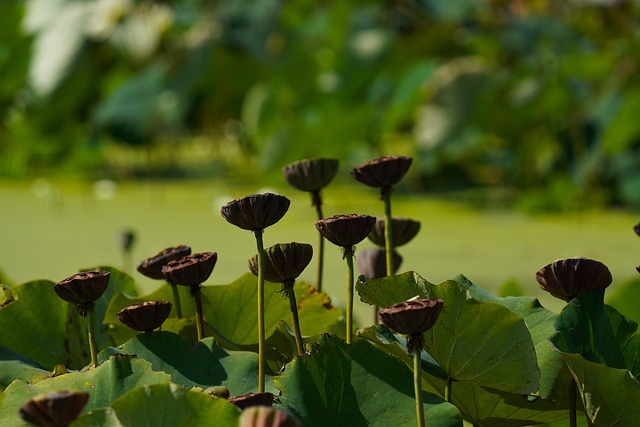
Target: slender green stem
348	254
316	199
573	417
417	384
261	334
447	389
197	297
388	227
176	299
293	305
93	348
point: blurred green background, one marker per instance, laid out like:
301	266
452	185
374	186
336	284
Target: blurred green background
151	114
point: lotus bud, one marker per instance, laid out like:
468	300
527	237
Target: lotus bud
191	270
403	230
256	212
571	277
146	316
152	267
346	230
54	409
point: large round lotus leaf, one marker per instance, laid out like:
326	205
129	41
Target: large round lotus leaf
184	326
204	364
231	310
340	384
624	297
15	366
601	347
104	384
481	406
163	405
480	343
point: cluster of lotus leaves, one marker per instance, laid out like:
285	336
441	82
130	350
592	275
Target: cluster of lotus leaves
510	359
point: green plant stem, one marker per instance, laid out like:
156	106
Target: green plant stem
316	199
197	297
388	227
447	389
261	333
176	299
293	305
348	254
417	384
93	348
573	418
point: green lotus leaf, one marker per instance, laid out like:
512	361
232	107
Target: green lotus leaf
601	348
204	364
340	384
624	297
163	405
104	383
476	342
231	311
15	366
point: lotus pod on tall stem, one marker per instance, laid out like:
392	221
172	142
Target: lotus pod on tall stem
55	408
312	175
413	318
347	231
283	263
255	213
83	290
567	279
192	270
152	268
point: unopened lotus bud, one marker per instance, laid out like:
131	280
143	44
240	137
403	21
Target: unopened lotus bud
146	316
152	266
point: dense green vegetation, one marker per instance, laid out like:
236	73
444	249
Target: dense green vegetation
537	97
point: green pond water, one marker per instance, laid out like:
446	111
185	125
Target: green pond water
52	230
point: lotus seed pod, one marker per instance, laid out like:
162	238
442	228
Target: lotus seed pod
413	316
252	399
146	316
256	212
568	278
83	289
264	416
403	230
372	263
383	172
152	267
54	409
283	262
191	270
311	174
346	230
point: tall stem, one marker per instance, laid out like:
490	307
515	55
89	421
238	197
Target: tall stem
93	348
388	227
293	305
447	389
417	385
316	199
261	334
348	254
197	297
573	417
176	299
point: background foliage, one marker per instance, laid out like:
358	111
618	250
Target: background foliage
499	95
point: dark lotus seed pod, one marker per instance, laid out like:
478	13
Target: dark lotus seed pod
346	230
311	174
126	238
252	399
152	267
568	278
403	230
383	172
146	316
373	264
54	409
83	288
264	416
283	262
256	212
191	270
636	228
411	317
